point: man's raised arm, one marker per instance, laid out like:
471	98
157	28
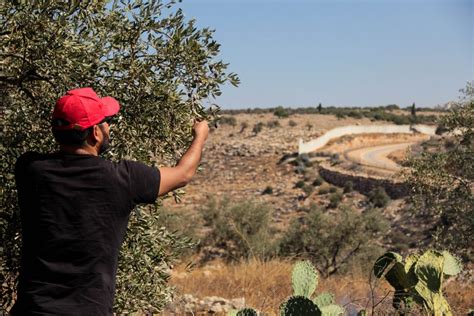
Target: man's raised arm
180	175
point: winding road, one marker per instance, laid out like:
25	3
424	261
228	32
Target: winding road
377	156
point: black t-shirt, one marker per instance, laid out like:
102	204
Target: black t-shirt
74	213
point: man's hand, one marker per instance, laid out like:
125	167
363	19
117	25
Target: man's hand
201	130
179	176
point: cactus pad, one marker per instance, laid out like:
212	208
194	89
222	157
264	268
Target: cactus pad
429	270
247	312
299	306
452	265
324	299
304	279
332	310
385	261
391	265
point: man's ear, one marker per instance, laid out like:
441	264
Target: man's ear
96	133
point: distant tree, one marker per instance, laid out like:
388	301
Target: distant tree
413	109
281	112
392	107
320	107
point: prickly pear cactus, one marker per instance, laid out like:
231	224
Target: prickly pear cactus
332	310
429	270
304	279
247	312
391	266
324	299
299	306
325	302
419	280
452	265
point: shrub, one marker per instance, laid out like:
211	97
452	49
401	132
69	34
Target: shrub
392	107
308	189
334	199
378	197
292	123
331	240
241	228
257	128
348	187
273	124
300	184
268	190
280	112
324	189
332	189
228	120
318	181
243	126
335	159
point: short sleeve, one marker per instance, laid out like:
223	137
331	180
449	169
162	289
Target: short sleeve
22	164
144	182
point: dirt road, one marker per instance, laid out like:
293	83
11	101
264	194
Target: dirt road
377	156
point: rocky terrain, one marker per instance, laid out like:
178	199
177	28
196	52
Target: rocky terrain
239	163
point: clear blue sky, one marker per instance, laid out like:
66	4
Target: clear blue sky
342	53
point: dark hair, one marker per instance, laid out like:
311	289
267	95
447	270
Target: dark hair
70	137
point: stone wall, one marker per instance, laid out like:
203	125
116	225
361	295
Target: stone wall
364	184
322	140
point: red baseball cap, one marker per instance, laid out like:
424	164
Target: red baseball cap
82	108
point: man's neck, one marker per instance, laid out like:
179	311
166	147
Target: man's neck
88	150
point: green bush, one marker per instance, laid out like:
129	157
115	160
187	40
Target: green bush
243	127
228	120
241	228
334	199
308	189
159	67
273	124
268	190
378	197
300	184
348	187
257	128
324	189
332	240
318	181
280	112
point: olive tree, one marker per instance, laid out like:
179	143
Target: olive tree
147	55
442	179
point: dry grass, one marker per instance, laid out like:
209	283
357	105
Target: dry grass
264	285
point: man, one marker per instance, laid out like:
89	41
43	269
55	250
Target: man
75	208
